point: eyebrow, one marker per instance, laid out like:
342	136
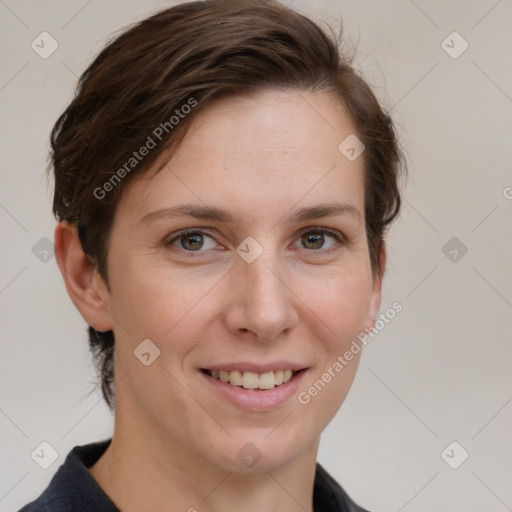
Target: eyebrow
204	212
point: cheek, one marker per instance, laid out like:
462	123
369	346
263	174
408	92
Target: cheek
341	302
154	302
341	306
161	302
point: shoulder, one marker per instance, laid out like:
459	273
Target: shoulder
329	496
73	487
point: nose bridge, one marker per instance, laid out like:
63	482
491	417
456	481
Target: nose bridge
263	300
264	284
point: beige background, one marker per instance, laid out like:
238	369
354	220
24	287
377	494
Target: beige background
439	372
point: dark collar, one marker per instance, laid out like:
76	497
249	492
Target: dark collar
74	488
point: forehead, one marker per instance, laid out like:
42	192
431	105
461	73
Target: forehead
271	123
273	150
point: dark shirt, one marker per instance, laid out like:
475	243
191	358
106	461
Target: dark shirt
73	488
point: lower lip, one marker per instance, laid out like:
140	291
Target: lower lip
253	399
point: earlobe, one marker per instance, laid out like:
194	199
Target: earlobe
85	287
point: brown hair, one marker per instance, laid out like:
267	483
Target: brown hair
134	95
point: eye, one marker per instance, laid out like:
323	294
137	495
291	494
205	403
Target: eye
191	240
314	239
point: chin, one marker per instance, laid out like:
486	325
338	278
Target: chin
256	454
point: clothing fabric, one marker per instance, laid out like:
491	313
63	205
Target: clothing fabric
73	488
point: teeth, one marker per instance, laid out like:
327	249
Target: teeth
267	380
235	378
251	380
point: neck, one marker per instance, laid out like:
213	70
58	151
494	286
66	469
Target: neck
141	471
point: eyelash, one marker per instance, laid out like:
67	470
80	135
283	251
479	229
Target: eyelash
340	239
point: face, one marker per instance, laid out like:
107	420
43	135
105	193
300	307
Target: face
267	275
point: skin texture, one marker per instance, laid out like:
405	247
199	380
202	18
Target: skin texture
176	440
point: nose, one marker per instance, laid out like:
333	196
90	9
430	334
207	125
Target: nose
261	300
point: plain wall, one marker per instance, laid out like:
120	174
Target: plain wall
439	372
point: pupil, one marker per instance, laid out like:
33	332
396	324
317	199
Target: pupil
317	240
196	244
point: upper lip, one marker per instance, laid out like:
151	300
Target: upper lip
256	368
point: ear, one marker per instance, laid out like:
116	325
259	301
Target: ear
376	289
85	287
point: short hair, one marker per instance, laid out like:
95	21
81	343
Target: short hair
147	85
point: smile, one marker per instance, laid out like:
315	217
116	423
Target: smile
255	387
252	380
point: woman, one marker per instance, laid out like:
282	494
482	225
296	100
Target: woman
223	184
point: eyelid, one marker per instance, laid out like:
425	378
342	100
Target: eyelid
328	231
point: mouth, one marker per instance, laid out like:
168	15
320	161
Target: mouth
254	387
252	380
